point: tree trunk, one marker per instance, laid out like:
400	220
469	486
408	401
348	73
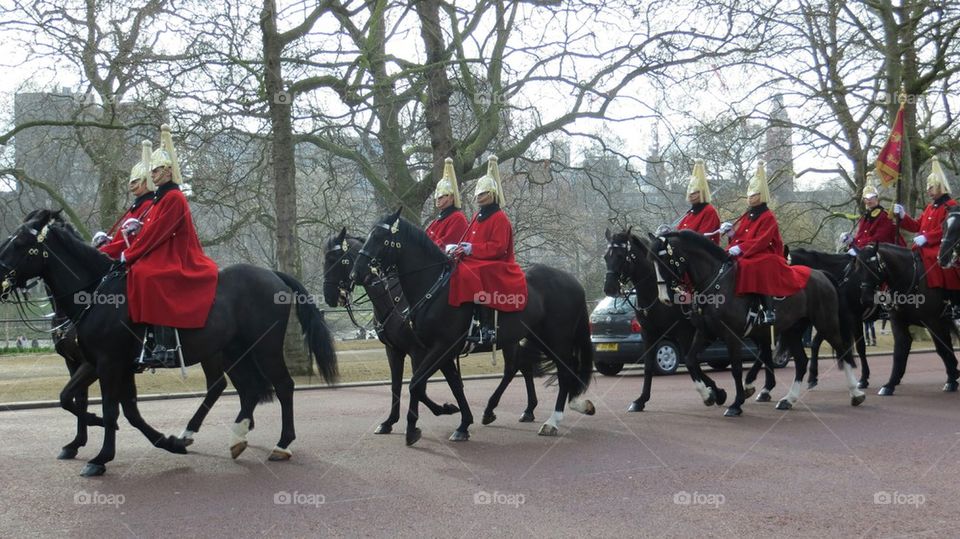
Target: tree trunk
437	109
283	170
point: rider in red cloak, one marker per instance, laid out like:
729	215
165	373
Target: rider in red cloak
449	227
702	217
123	231
487	273
756	242
171	283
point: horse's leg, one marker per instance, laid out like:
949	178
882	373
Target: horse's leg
395	360
269	357
111	412
552	425
532	402
418	389
766	359
815	345
861	346
648	368
736	369
706	387
941	340
902	341
751	376
510	369
244	422
794	340
216	384
455	382
128	400
74	399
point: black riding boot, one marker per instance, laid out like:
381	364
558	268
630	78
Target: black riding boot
954	310
486	333
160	351
768	317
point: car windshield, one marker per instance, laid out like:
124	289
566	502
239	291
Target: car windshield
616	305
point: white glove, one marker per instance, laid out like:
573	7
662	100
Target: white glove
100	239
898	210
123	258
467	247
920	240
449	248
726	227
735	251
131	226
852	252
845	239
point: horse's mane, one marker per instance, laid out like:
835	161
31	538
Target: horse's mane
700	241
836	262
410	233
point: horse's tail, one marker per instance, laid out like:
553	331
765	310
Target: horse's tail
582	355
315	332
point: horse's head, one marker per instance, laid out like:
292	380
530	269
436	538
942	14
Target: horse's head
950	243
869	269
24	255
382	245
668	264
621	259
338	261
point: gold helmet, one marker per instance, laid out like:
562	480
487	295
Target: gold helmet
141	171
491	182
870	186
448	184
166	155
698	181
758	185
937	178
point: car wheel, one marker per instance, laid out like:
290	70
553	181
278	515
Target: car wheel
780	361
609	369
718	364
666	358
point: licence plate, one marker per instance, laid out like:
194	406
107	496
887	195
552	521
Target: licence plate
607	347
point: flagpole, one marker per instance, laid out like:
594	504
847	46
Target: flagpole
902	98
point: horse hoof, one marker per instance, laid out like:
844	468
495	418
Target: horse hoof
748	392
174	445
812	384
384	428
711	399
547	430
488	417
93	470
458	436
857	400
237	448
733	412
588	408
280	454
784	404
950	387
413	436
863	384
721	397
763	397
187	442
449	409
885	391
67	453
635	407
527	417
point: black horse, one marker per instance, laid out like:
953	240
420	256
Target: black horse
555	319
840	268
950	242
712	274
387	299
243	336
628	260
911	302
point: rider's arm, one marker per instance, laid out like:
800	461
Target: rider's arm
760	243
909	223
167	217
497	245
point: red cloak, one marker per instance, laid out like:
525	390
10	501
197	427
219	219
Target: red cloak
703	219
930	225
448	228
489	275
170	281
876	225
114	247
761	267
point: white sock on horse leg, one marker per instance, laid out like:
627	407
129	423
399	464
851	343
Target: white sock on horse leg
702	389
852	381
555	419
238	432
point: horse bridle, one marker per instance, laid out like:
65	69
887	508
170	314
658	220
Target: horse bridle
9	273
622	276
882	270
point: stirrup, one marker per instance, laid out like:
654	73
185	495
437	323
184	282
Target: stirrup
769	318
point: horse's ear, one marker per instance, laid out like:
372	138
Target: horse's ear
607	234
396	214
629	229
57	215
341	235
786	250
652	237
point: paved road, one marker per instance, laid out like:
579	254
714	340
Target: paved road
824	469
